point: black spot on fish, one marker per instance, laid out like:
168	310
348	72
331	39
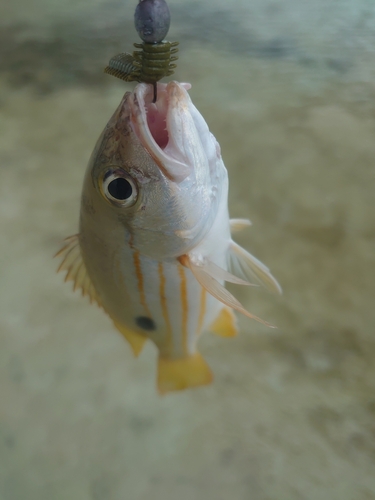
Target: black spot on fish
145	323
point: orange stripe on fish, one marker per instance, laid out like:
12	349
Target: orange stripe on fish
184	306
164	307
202	310
138	272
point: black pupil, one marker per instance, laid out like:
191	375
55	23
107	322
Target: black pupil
120	189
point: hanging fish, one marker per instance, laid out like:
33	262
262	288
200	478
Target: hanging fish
154	246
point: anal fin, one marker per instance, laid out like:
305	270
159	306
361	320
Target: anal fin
225	324
135	340
73	263
182	373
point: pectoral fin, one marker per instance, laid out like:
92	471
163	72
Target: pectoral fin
243	264
73	263
237	225
135	340
225	324
179	374
216	289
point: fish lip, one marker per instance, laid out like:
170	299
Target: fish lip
140	102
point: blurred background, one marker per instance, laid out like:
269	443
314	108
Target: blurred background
288	89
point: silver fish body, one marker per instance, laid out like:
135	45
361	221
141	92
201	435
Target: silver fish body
155	246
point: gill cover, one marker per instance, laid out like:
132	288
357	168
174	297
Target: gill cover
169	157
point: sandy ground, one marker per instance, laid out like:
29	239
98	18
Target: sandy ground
289	91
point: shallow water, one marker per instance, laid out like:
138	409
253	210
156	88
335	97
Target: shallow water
288	89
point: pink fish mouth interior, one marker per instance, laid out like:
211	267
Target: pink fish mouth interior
152	123
157	118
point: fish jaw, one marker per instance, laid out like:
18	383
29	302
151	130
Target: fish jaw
153	124
173	131
178	139
169	152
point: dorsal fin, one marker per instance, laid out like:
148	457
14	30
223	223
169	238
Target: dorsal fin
72	262
135	340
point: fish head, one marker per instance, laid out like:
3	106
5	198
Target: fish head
156	173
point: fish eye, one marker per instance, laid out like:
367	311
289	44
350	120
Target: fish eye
119	188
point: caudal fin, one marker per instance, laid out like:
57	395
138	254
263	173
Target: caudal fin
179	374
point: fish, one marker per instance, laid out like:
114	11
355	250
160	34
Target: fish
155	246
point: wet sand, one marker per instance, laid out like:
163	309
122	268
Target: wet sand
289	92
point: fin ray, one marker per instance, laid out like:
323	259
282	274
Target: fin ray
217	290
219	273
70	256
73	263
85	285
73	270
80	276
243	264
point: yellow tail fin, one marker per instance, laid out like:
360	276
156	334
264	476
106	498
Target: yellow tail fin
179	374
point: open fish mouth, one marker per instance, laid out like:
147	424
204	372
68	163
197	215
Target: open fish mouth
163	127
